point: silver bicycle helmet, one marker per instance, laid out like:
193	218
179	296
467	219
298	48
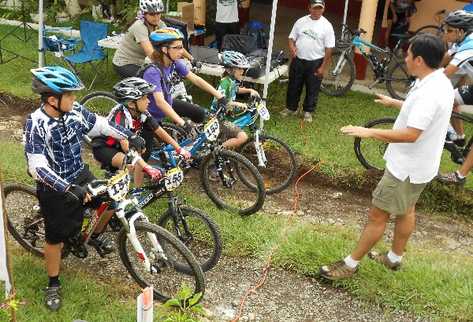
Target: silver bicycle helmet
460	19
235	59
151	6
132	88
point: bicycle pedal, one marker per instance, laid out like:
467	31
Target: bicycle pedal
79	251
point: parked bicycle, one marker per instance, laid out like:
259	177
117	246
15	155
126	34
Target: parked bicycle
387	66
436	29
370	152
151	254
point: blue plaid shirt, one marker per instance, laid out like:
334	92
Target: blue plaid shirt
53	146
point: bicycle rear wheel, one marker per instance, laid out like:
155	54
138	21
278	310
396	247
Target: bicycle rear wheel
280	167
370	152
340	75
398	81
99	102
24	220
429	29
165	277
198	232
222	174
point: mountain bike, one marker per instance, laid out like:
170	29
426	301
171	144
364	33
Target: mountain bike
192	226
151	254
436	29
388	67
370	152
230	180
272	156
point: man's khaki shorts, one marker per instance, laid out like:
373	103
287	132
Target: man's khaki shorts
395	196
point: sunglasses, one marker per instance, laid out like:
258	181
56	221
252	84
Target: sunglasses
153	14
176	47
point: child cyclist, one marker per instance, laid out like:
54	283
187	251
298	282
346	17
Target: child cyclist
132	113
53	135
235	66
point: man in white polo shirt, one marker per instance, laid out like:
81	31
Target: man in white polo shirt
310	43
412	157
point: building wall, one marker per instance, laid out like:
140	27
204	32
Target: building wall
427	8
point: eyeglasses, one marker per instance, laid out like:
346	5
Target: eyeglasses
153	13
448	30
176	47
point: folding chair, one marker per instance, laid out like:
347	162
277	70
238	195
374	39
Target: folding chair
90	33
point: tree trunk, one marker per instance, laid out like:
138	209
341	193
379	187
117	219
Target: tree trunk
72	7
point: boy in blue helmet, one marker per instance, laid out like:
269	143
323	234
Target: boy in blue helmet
53	135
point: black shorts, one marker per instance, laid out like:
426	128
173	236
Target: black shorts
63	219
104	154
464	95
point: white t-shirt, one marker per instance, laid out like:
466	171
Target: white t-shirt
427	107
227	11
463	58
312	37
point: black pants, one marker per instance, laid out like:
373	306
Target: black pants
301	72
125	71
222	29
184	109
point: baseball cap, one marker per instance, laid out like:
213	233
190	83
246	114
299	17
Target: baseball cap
317	3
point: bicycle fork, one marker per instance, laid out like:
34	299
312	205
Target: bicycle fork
260	151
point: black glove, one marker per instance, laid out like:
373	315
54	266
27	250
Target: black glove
196	64
137	142
188	127
75	194
222	103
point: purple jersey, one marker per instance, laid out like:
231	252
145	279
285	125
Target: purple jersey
153	75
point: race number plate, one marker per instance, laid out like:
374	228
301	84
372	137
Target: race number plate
118	186
173	178
263	111
212	129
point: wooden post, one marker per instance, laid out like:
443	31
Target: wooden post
367	21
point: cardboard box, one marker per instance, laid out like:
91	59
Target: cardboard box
199	12
187	13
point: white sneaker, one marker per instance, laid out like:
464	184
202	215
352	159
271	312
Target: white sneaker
308	117
287	112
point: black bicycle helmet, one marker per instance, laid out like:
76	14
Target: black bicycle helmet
460	19
132	88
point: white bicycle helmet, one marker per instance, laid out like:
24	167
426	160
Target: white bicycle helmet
132	88
151	6
235	59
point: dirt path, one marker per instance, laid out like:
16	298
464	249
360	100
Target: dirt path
287	296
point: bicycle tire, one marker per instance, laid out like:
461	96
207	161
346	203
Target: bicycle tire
431	29
241	191
99	102
29	228
330	83
277	166
375	149
167	241
204	240
398	81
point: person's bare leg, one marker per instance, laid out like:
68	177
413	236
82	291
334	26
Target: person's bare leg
403	229
372	232
233	143
457	124
52	256
467	164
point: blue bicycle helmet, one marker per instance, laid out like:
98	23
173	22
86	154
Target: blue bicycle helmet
235	59
165	35
55	80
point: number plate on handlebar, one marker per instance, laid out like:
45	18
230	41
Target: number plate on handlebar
263	111
173	178
118	186
212	129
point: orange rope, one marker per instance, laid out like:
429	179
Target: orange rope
264	274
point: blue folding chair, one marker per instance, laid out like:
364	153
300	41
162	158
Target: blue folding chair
90	33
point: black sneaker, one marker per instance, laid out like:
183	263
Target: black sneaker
102	244
52	297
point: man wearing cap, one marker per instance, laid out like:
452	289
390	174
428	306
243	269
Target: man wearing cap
310	44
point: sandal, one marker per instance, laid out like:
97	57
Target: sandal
52	297
337	270
382	258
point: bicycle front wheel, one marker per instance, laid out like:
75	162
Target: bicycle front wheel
198	232
232	182
24	220
340	76
276	164
398	81
99	102
370	152
167	280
